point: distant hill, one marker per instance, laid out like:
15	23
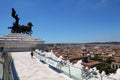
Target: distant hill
82	43
104	43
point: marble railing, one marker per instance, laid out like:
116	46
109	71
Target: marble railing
70	70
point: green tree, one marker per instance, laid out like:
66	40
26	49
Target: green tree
85	59
105	67
109	60
96	58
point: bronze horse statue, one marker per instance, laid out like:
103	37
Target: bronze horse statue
16	28
25	29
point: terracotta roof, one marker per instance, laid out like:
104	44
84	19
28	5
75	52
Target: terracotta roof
91	63
116	63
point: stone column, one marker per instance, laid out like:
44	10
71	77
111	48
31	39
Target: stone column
6	66
111	65
117	66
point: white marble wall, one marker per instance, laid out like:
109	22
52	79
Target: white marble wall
1	70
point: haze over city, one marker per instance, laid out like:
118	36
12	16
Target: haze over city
65	21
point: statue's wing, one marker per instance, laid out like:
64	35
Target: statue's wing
13	12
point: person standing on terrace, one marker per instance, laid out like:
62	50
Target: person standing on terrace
31	54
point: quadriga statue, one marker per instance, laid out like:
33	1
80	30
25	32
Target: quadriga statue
17	28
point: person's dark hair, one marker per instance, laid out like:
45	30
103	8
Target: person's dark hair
1	48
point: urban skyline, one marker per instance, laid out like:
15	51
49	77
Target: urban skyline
66	21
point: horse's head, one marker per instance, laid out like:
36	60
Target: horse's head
29	24
10	27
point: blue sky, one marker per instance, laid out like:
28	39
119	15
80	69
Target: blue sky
61	21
